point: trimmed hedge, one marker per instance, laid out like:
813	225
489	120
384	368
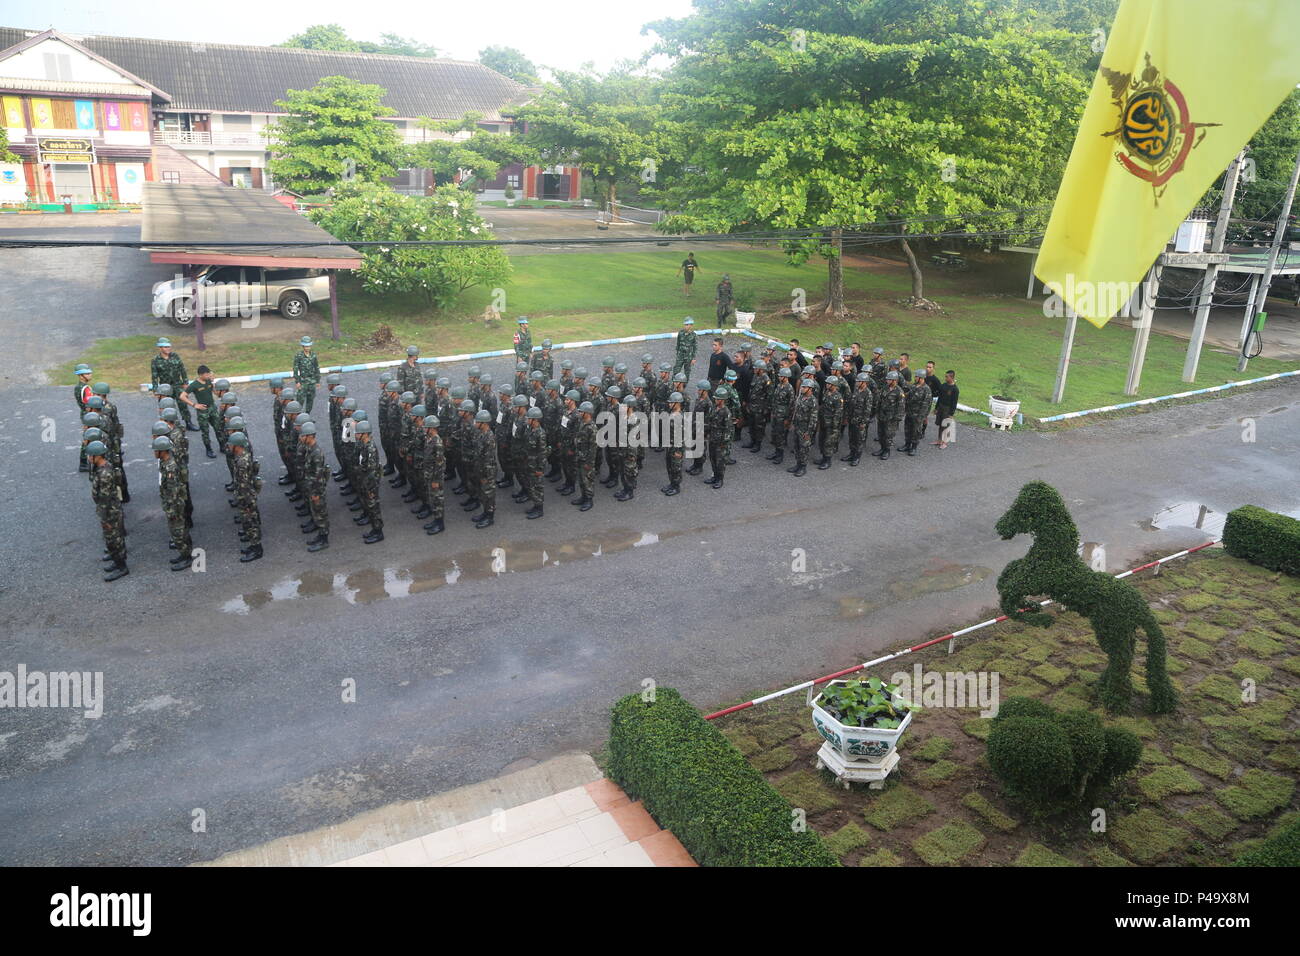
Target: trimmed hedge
696	784
1263	537
1281	849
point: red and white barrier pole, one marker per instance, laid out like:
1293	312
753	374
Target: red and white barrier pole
938	640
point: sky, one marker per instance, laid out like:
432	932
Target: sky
563	35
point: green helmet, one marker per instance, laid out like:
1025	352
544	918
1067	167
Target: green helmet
608	361
412	350
385	378
96	448
393	387
474	371
443	382
236	424
223	384
162	443
521	366
293	408
665	367
783	373
349	404
504	388
647	358
535	413
333	378
277	382
238	440
614	392
483	415
308	429
722	392
638	382
536	376
808	383
230	398
703	385
546	343
731	375
430	374
340	391
680	378
579	372
459	393
92	420
82	369
760	366
587	408
231	411
863	377
468	406
303	419
95	401
892	377
289	394
169	415
94	434
363	427
573	395
360	415
629	401
160	428
164	389
566	364
620	368
832	380
519	401
408	398
485	379
675	397
100	388
305	340
431	421
163	343
418	411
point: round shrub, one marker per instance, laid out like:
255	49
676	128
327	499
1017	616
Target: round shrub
1023	707
1123	751
1031	756
1087	739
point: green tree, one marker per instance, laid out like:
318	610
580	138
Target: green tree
395	45
508	61
5	155
1273	154
372	212
902	114
483	153
324	36
610	126
333	133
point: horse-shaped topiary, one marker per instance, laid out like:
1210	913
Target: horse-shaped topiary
1114	608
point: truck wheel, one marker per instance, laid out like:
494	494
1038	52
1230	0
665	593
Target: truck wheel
293	305
181	313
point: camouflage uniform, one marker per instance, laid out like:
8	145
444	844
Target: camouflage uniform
917	403
804	422
173	492
674	453
585	454
861	407
181	455
631	455
432	474
684	360
832	416
718	432
519	449
368	473
543	364
568	433
523	344
410	378
485	463
248	483
783	399
316	474
889	412
535	462
171	371
108	503
760	406
306	375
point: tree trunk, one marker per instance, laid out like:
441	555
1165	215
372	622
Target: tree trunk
917	300
835	275
609	202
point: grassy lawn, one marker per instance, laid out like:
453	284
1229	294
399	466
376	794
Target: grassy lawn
1216	776
578	296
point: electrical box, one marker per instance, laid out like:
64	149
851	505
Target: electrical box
1260	319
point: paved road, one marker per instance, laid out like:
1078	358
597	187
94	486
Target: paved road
224	688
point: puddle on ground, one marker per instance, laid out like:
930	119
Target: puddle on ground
1188	514
946	577
376	584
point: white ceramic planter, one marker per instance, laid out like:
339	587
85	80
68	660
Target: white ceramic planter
1000	409
858	744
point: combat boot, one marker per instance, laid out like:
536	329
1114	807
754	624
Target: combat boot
696	468
389	469
754	448
230	486
361	520
566	489
911	448
354	504
302	511
554	473
459	489
251	553
585	504
505	482
671	489
347	491
519	497
534	512
284	480
181	563
410	496
399	482
319	543
337	475
610	482
118	571
779	457
435	526
210	453
625	495
423	512
884	454
308	527
717	482
855	459
799	470
373	537
294	495
485	521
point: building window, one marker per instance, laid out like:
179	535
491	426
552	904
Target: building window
512	181
171	176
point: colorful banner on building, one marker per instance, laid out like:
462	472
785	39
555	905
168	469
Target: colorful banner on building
85	114
13	187
42	114
130	181
137	117
112	116
14	118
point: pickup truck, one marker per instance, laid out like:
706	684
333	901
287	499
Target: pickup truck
239	291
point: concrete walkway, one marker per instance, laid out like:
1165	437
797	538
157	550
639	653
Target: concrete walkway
561	812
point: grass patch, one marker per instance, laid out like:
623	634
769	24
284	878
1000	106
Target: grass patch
949	844
1050	674
896	806
1212	764
847	839
778	758
1105	856
742	741
1221	688
939	773
1197	650
881	858
1211	821
1146	835
1194	601
1252	670
1204	630
933	749
978	804
978	728
1167	781
1259	644
1038	855
807	790
1258	794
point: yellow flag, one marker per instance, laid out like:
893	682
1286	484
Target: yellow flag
1183	85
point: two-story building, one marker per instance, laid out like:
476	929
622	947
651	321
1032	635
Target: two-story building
211	103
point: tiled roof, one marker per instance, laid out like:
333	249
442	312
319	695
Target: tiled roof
249	79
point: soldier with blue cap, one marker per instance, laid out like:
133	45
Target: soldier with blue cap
168	368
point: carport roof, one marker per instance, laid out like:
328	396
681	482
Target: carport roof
199	214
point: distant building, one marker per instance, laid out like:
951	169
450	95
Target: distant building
95	116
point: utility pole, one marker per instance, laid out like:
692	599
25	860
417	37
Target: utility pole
1212	271
1150	288
1067	346
1261	295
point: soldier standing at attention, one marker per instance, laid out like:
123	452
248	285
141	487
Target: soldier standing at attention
402	436
408	375
687	343
567	381
570	419
917	402
585	452
389	428
542	361
435	467
760	406
552	412
81	392
832	415
783	399
640	403
608	376
173	494
518	423
484	463
674	451
889	411
718	428
248	482
277	423
700	411
302	504
502	423
523	342
535	461
306	374
414	432
725	301
167	368
687	271
466	434
104	491
316	474
860	409
368	474
613	454
181	451
629	461
113	432
804	422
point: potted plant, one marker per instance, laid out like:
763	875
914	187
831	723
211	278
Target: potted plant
1004	403
861	720
510	195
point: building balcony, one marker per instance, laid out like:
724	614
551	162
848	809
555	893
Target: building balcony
172	137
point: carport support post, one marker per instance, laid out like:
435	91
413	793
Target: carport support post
1260	296
1151	287
1033	264
198	309
334	302
1211	271
1246	321
1067	346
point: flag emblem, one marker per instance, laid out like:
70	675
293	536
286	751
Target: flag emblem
1155	133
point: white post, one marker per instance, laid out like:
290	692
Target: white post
1246	321
1067	346
1150	287
1257	301
1033	263
1211	271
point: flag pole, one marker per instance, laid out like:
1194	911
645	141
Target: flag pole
1261	294
1212	270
